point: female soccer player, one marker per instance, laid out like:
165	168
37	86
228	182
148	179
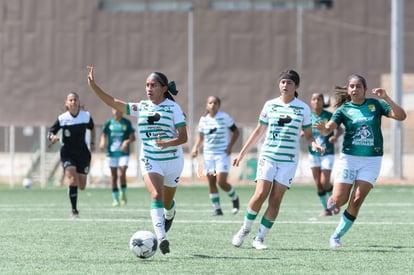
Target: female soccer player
322	164
117	135
360	160
162	128
74	153
282	119
214	135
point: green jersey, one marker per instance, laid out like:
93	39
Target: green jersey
363	135
117	132
320	139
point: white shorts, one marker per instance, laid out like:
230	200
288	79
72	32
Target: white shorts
280	172
118	161
325	162
349	168
214	164
170	169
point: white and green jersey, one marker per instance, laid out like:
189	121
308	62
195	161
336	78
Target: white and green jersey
216	132
363	135
155	121
320	139
284	124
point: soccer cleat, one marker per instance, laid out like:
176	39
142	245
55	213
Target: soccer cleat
236	206
326	213
238	239
164	246
258	244
115	203
168	223
75	214
334	242
218	212
122	198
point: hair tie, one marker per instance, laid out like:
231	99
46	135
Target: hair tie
172	88
291	75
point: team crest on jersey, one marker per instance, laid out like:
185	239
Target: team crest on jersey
371	107
134	107
296	110
148	166
66	133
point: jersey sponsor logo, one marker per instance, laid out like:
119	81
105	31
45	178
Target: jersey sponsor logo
284	119
212	131
153	117
364	136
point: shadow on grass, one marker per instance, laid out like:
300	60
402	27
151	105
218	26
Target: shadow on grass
234	257
388	247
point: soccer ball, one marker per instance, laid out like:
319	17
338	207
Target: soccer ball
27	183
143	244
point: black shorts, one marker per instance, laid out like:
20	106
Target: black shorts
81	162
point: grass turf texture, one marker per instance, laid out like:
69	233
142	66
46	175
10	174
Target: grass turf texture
38	237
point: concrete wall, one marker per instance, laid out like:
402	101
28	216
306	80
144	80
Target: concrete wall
45	46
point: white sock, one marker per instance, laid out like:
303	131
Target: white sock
157	217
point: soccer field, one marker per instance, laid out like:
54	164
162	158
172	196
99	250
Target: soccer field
38	237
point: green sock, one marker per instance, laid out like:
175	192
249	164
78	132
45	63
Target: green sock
347	220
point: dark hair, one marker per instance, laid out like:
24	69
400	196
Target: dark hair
322	97
292	75
163	80
341	93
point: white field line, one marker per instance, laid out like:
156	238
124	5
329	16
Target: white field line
206	221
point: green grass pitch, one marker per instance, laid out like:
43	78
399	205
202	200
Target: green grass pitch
38	237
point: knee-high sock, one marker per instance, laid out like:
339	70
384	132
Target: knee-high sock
215	200
264	227
323	199
169	212
249	218
232	194
347	220
157	217
73	196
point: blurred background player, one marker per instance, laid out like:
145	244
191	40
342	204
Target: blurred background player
360	161
322	164
117	135
162	129
214	135
74	153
